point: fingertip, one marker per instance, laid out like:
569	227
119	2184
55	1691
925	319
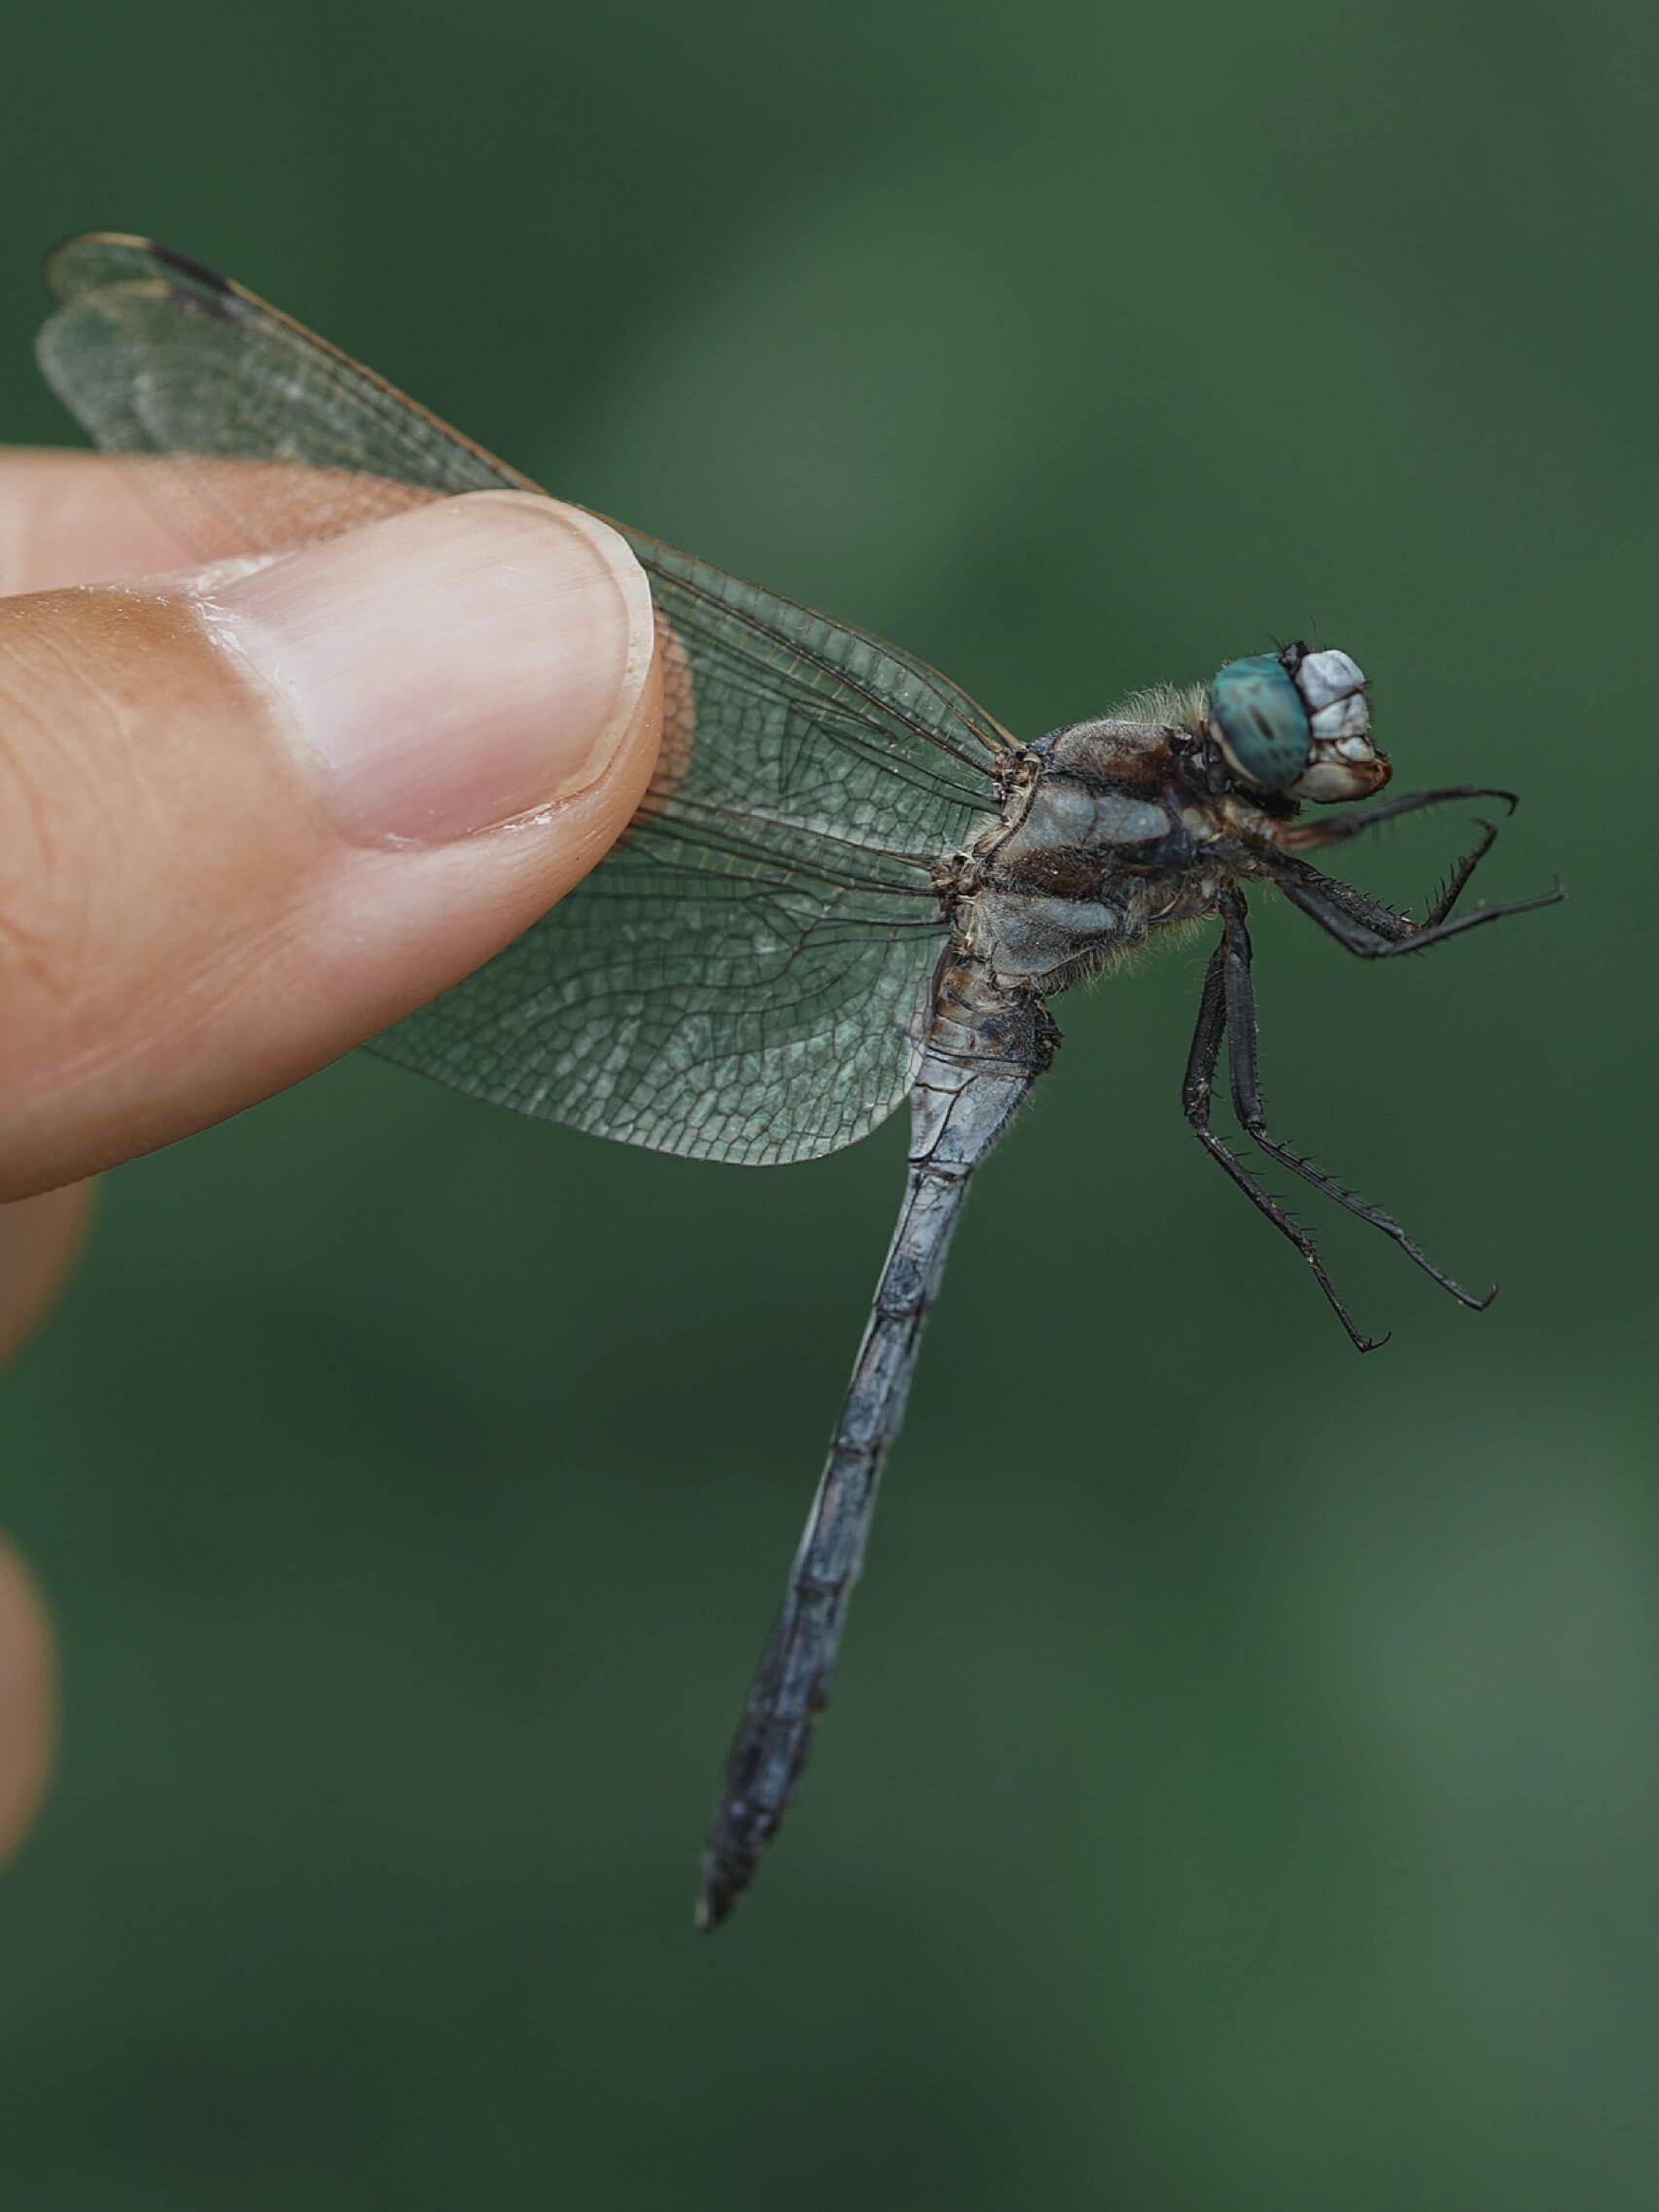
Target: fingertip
39	1237
290	805
77	519
446	669
28	1700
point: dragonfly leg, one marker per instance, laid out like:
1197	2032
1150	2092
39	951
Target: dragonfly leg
1370	930
1314	837
1457	882
1372	911
1234	954
1197	1095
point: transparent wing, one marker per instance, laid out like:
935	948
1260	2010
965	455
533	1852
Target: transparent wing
746	976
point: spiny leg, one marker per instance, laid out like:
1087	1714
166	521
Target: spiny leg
1457	880
1196	1096
1374	914
1369	931
1386	921
1314	837
1234	953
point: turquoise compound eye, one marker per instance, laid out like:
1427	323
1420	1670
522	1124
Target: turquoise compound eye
1257	717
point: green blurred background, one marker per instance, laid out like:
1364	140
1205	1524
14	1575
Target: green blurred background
1241	1789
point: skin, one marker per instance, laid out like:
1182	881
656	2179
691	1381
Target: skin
152	984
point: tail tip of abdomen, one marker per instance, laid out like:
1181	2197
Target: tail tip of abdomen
716	1897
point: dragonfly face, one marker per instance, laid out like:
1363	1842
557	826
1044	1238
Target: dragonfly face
847	886
1297	722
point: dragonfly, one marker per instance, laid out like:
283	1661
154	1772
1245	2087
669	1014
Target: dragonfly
847	887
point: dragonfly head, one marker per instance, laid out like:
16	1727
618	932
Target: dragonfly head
1297	722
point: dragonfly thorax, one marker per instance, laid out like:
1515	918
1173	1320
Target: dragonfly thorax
1106	837
1109	828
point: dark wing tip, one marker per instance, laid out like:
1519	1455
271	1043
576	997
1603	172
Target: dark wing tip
187	266
100	258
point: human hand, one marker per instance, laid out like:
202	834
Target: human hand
252	815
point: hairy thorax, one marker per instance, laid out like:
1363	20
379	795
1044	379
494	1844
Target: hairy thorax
1108	832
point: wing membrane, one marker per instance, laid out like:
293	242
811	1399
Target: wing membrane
745	977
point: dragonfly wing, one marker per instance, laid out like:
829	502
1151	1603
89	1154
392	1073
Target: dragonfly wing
268	437
698	1001
745	977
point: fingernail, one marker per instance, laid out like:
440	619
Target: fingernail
453	667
